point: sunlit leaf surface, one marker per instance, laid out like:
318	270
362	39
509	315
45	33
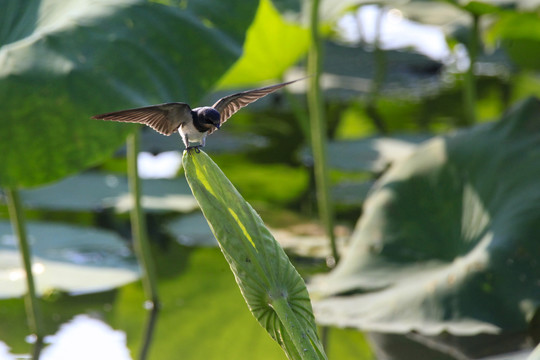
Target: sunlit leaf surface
272	46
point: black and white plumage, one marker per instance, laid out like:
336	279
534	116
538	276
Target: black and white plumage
193	125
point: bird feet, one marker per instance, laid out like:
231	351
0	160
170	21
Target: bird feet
196	148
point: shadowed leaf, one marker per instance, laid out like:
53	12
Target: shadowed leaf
61	62
448	240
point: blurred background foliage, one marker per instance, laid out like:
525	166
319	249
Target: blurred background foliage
395	74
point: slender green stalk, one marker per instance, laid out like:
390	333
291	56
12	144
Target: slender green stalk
469	91
324	332
33	312
318	130
299	113
141	244
151	321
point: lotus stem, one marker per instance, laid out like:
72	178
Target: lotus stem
33	311
141	244
319	132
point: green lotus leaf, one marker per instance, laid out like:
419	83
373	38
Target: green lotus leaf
448	239
61	62
110	191
274	291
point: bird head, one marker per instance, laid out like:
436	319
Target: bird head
209	116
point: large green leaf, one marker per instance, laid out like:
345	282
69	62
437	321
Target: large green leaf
273	289
448	240
61	62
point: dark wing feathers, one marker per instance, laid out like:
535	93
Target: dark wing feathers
228	105
164	118
167	118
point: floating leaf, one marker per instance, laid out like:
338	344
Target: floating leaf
110	191
68	258
448	239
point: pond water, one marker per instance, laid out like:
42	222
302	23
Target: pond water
203	315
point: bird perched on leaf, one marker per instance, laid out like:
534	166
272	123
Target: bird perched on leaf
192	124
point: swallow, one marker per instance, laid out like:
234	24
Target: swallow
194	125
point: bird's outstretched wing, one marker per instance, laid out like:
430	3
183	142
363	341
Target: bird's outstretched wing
164	118
228	105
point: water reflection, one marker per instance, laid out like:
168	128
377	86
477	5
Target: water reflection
82	338
164	165
85	337
4	352
396	32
